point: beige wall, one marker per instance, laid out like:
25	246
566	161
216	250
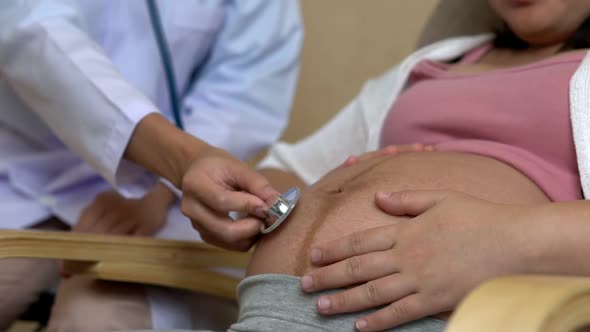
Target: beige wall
347	42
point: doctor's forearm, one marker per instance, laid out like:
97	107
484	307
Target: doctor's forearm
162	148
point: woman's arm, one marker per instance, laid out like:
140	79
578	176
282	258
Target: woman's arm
559	238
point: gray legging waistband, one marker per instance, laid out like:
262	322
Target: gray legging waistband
273	302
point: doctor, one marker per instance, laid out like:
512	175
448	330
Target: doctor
90	90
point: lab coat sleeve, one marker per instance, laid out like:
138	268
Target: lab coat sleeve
242	95
65	78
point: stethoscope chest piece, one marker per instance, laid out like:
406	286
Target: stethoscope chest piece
281	209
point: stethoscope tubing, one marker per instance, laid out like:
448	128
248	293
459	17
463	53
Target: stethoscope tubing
166	61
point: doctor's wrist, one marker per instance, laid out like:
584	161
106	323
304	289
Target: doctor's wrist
161	194
162	148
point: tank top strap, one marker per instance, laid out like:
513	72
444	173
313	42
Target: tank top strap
476	54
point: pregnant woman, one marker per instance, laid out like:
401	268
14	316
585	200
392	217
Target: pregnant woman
497	109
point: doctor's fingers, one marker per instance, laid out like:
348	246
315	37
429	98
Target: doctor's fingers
88	217
226	201
122	225
253	182
147	229
219	228
233	187
105	224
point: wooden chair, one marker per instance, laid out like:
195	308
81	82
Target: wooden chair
176	264
340	52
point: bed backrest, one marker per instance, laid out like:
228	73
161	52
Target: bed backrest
458	17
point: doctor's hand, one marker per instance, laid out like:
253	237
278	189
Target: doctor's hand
111	213
217	183
422	266
213	182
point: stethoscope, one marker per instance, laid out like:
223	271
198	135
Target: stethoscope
284	203
166	61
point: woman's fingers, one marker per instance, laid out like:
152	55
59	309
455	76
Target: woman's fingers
370	240
408	202
350	161
350	271
399	293
402	311
387	151
366	296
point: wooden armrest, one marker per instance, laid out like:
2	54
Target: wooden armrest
179	264
525	304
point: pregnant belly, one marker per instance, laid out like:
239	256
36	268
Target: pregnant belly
342	202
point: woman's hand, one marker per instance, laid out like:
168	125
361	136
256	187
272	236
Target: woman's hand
111	213
387	151
422	266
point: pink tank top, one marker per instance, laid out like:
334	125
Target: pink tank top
517	115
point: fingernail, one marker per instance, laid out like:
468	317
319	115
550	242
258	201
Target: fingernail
268	193
260	213
391	149
324	303
316	255
382	195
360	324
307	283
350	161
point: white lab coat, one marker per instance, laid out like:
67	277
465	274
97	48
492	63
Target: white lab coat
85	72
77	76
